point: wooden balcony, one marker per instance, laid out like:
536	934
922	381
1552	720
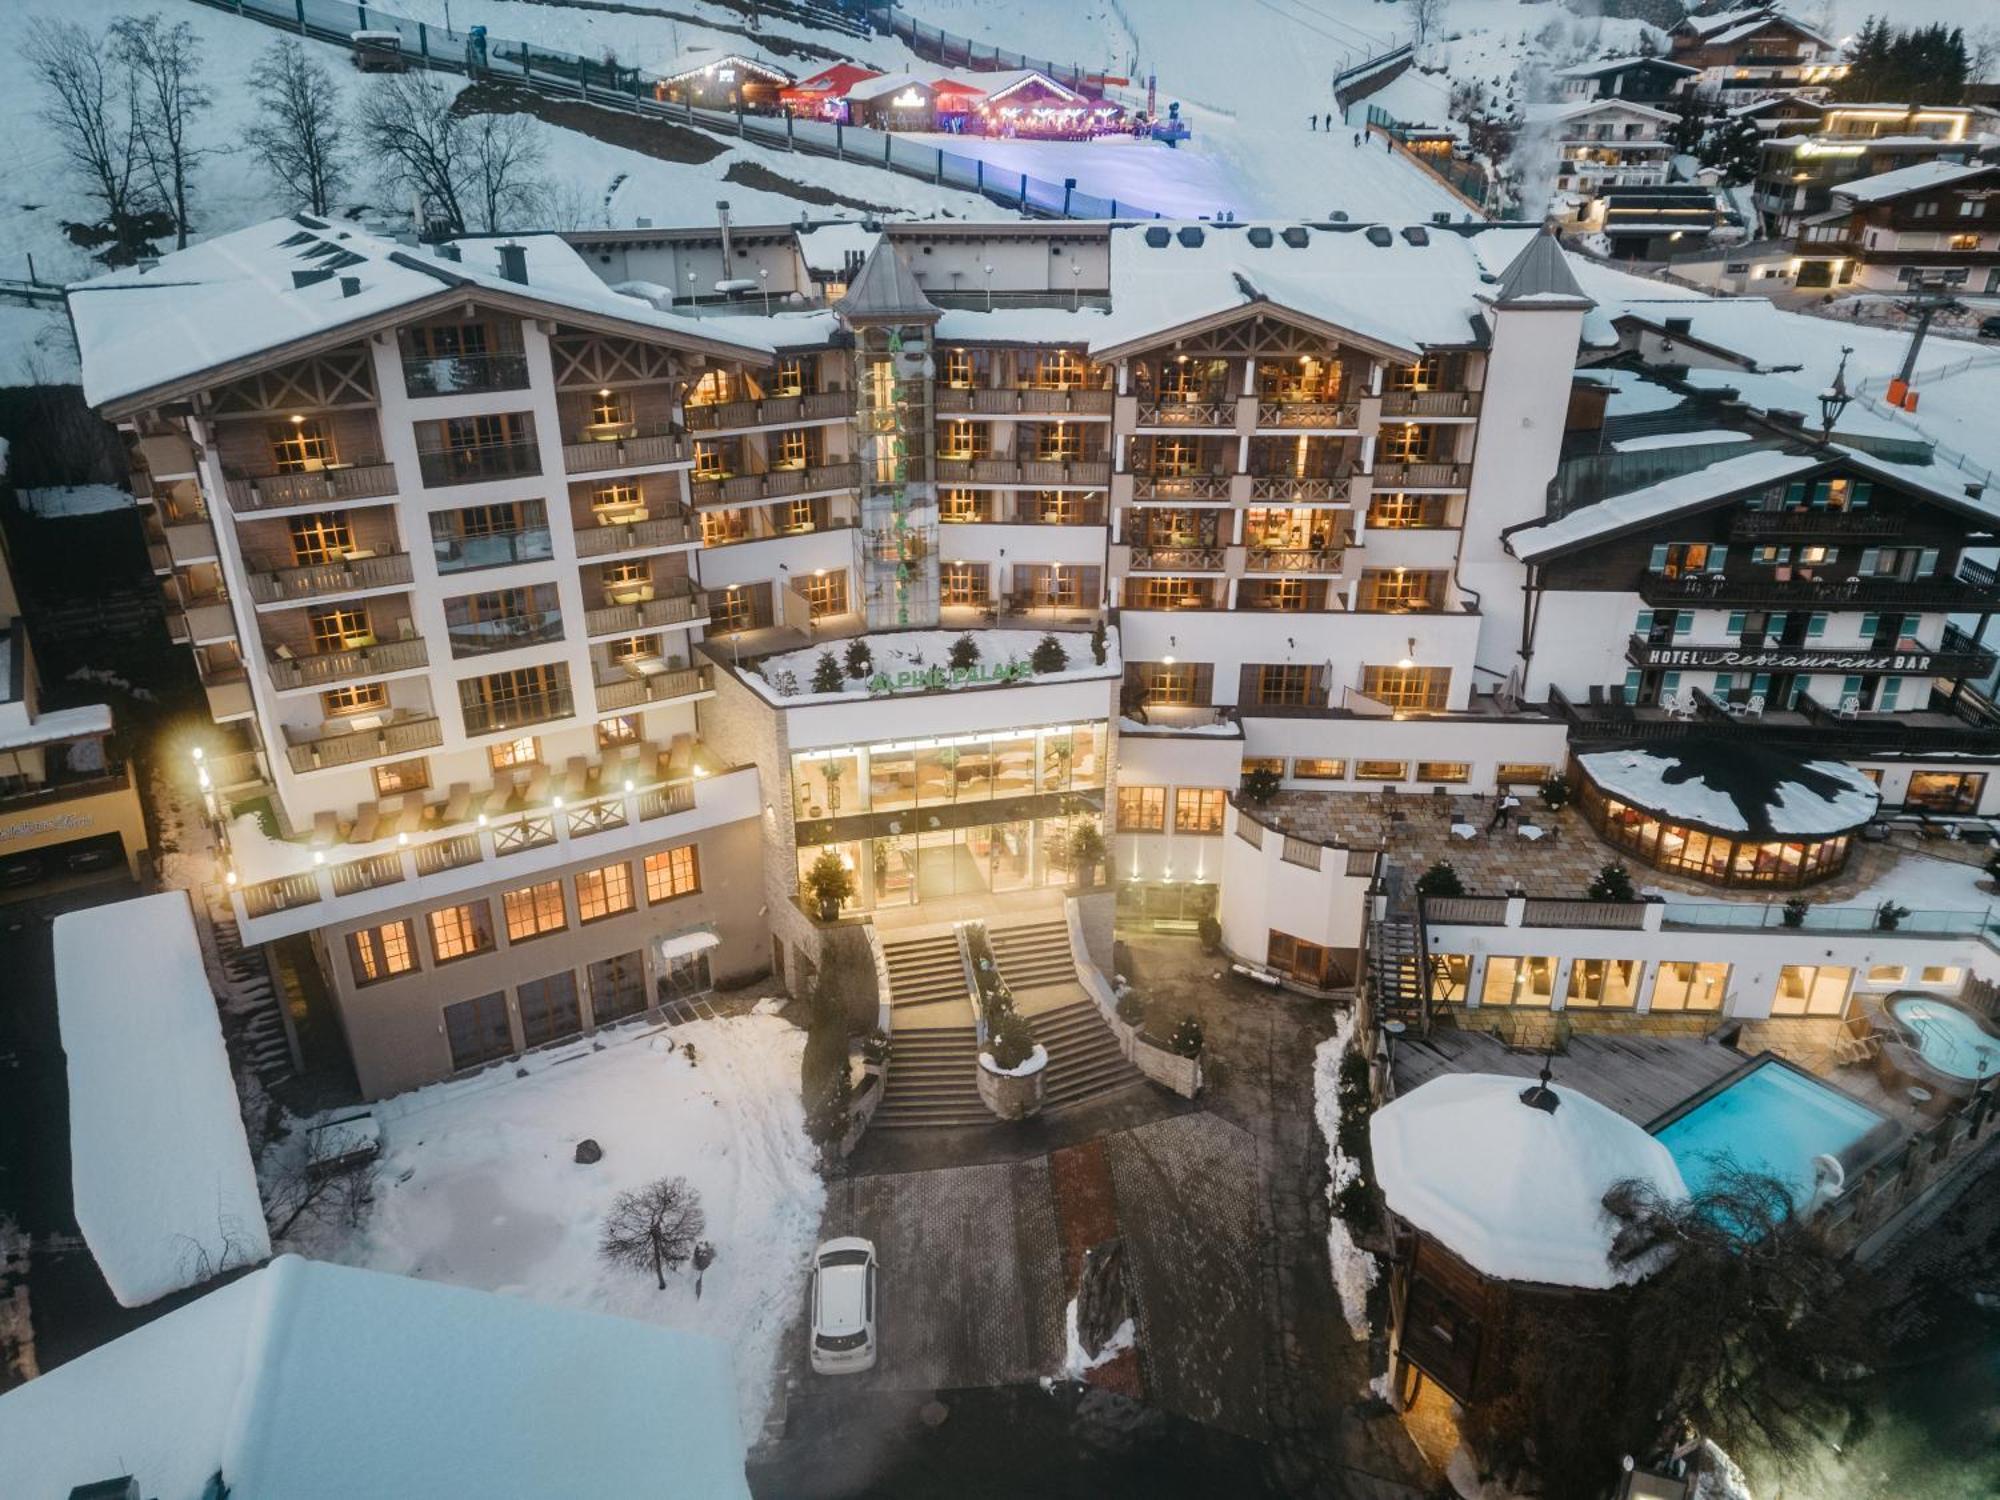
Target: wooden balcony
1022	401
369	481
1310	415
1218	415
1809	523
634	536
1430	403
641	448
636	689
327	668
1421	475
1292	559
350	575
1146	559
1302	489
1043	473
648	614
1180	487
337	744
778	484
1717	591
772	411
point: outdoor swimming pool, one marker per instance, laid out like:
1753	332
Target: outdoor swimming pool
1948	1038
1769	1118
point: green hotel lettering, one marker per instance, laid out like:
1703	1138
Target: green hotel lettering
948	677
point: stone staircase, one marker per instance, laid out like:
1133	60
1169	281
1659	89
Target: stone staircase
932	1080
1033	955
924	970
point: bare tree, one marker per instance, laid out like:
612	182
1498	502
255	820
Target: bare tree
502	158
299	138
164	65
655	1227
1426	19
88	103
408	125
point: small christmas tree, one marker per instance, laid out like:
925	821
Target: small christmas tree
1099	647
860	660
1441	879
1613	883
1048	655
826	674
1187	1039
964	651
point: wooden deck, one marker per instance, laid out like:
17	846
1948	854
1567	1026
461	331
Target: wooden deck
1641	1077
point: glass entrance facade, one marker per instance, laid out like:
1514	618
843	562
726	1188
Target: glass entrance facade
919	820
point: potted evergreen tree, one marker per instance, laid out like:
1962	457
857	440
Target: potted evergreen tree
829	882
1086	852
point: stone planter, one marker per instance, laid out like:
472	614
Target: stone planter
1017	1093
1162	1065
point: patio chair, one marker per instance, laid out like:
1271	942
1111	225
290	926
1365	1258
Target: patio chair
537	790
458	802
680	760
326	829
1754	709
363	831
1849	707
409	818
576	777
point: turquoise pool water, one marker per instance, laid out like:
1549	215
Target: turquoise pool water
1772	1120
1949	1039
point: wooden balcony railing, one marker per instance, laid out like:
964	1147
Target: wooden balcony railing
1302	488
1147	559
772	411
1180	486
778	484
1292	560
1048	473
660	445
1312	414
615	693
1421	475
348	746
1187	414
634	536
1016	400
649	614
366	481
1430	403
322	580
326	668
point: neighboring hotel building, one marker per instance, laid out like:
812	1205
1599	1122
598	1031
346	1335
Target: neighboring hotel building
1936	225
512	568
1802	165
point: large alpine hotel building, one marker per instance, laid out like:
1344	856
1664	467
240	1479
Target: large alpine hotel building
509	565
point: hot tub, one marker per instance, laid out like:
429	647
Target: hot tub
1771	1117
1937	1043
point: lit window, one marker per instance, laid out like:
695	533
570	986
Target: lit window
1142	809
461	931
526	751
603	892
672	873
1310	768
382	952
1198	809
534	910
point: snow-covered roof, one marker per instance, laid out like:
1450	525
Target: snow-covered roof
888	83
1726	786
165	1190
885	287
1515	1191
1657	502
769	70
827	247
240	295
1619	65
1920	178
322	1382
53	726
999	85
1612	104
1735	25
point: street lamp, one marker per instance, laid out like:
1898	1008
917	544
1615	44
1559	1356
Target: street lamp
1834	399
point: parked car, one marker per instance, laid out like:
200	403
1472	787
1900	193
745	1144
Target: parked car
843	1307
1989	328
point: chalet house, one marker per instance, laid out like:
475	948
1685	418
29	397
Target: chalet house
1604	143
1937	223
1742	53
1647	80
1799	171
894	101
731	81
823	96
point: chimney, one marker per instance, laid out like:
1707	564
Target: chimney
722	217
350	286
1974	490
514	263
449	252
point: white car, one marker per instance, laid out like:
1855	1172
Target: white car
843	1307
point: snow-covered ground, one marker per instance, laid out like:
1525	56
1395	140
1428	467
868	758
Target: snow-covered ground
1003	655
77	500
477	1185
1355	1271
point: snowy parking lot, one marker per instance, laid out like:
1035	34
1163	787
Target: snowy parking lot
477	1185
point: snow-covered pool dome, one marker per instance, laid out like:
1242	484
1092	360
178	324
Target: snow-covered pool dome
1727	812
1513	1188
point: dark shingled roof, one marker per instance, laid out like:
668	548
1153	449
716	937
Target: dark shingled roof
885	288
1540	276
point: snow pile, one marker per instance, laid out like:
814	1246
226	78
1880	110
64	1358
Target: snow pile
1355	1271
77	500
1718	1477
1079	1362
165	1190
915	661
1681	789
477	1185
313	1382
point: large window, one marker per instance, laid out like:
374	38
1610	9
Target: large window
549	1009
504	620
382	952
1690	987
319	537
1198	809
603	892
1521	983
400	776
1309	963
1421	689
1283	686
1142	809
826	594
505	700
1946	791
1811	990
1450	976
461	931
1318	768
478	1031
672	873
490	536
302	445
1603	984
356	698
339	629
534	910
617	988
1444	770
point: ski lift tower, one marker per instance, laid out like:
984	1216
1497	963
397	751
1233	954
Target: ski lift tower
1927	300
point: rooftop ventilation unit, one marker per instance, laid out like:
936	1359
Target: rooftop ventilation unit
1190	237
309	278
1295	237
1379	234
1261	237
1158	237
451	252
350	286
1416	234
514	263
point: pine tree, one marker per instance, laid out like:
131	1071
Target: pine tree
826	674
